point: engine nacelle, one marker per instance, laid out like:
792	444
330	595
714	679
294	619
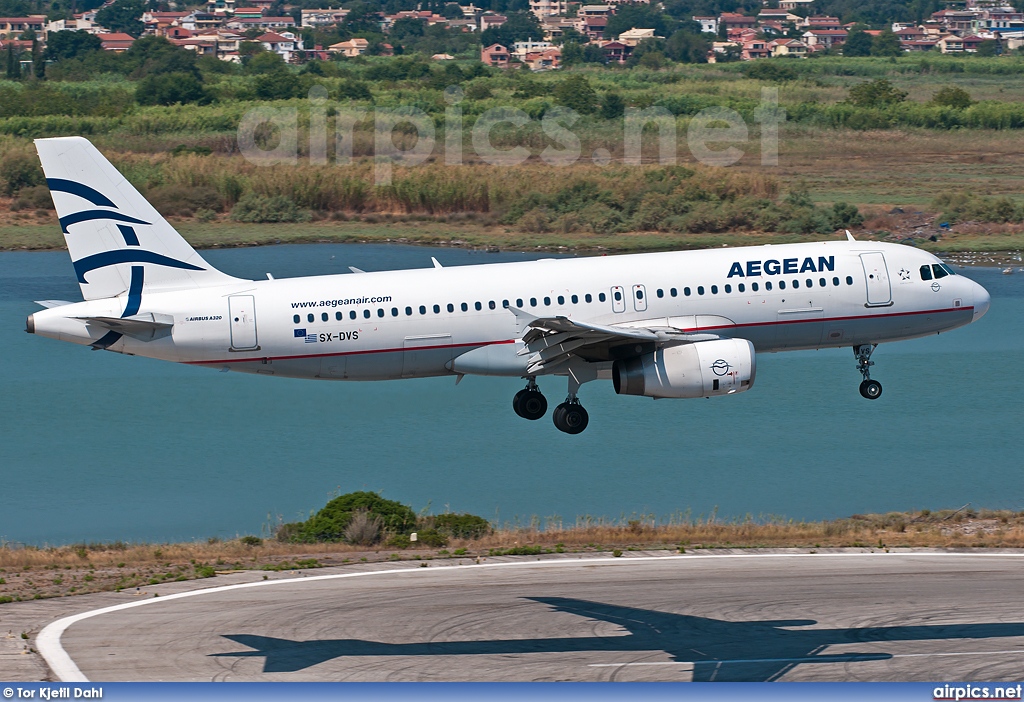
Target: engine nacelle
701	369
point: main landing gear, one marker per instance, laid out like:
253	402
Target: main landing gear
870	389
569	416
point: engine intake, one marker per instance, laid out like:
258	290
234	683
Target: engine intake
701	369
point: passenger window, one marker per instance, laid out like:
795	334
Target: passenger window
728	288
478	306
504	304
782	285
408	311
849	280
394	311
714	289
741	287
822	282
639	294
491	305
673	292
686	292
575	299
519	302
561	299
437	309
810	283
661	293
352	314
296	319
796	284
337	316
366	313
753	286
310	318
835	282
939	271
451	307
533	302
464	307
700	289
768	285
588	297
380	312
423	309
601	297
547	301
618	296
324	317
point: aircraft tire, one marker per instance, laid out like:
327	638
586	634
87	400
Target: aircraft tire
871	389
530	404
570	418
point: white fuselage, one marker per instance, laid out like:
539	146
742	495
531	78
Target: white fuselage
438	321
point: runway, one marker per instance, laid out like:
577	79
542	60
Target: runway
813	617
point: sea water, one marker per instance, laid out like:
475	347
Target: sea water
98	446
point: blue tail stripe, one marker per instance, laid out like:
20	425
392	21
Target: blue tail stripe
89	215
83	191
130	237
112	258
135	292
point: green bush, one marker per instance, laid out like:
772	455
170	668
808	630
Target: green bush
329	523
36	197
462	526
170	89
254	208
431	538
952	96
250	540
20	169
183	201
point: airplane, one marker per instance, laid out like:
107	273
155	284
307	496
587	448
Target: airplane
682	324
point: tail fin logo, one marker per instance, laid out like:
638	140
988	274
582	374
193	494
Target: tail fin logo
128	233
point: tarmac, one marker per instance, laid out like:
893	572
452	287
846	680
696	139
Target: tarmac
850	616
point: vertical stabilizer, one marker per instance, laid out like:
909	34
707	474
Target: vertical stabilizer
118	242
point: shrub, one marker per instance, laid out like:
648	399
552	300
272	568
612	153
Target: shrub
205	571
36	197
183	201
845	215
772	71
576	93
432	538
170	89
329	523
876	93
253	208
462	526
363	529
20	169
952	96
250	540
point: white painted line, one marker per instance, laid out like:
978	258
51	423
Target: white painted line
49	646
846	658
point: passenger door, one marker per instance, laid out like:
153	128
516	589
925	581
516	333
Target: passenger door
876	278
242	316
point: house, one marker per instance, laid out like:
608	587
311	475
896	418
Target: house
356	46
592	27
821	22
795	4
249	13
755	49
733	20
199	21
818	39
777	15
158	22
918	45
788	47
707	24
548	8
492	20
78	24
267	23
12	27
284	45
596	11
634	36
495	55
910	34
442	57
616	51
322	18
116	42
521	48
546	60
554	27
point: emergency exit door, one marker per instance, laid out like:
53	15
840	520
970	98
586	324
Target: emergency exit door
242	315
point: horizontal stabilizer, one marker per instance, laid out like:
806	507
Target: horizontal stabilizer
48	304
144	327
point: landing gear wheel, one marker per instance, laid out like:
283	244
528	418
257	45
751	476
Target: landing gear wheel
570	417
530	404
871	389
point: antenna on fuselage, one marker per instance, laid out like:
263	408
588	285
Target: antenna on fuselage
849	236
437	264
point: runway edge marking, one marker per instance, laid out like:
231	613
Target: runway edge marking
61	664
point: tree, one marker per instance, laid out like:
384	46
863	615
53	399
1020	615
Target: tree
265	62
155	55
989	47
13	68
38	62
886	44
169	89
952	96
687	47
123	16
613	106
519	27
858	42
639	16
68	45
576	93
452	11
876	93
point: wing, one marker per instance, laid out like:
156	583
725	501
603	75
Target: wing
144	327
553	341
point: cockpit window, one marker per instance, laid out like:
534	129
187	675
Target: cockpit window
946	268
926	272
939	271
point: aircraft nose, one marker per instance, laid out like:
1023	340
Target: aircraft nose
981	302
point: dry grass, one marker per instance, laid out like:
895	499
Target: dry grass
35	573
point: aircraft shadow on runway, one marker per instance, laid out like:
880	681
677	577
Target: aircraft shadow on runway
719	650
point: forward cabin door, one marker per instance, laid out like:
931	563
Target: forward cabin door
242	315
876	277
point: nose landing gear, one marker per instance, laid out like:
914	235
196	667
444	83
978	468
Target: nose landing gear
869	389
